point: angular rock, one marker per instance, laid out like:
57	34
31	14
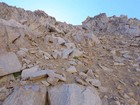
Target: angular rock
9	63
73	94
34	73
76	53
66	53
12	34
60	41
28	72
71	69
80	81
90	73
87	24
114	25
52	28
27	95
38	75
94	82
53	74
12	28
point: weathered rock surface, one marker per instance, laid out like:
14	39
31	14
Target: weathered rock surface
12	30
71	69
28	72
72	94
4	93
114	25
102	53
9	63
66	53
27	95
35	73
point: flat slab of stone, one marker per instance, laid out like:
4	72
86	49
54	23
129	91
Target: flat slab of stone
27	95
9	63
34	73
73	94
27	72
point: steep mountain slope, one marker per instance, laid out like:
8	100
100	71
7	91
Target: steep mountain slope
97	63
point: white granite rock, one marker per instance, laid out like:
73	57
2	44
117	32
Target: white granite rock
66	53
34	73
73	94
60	41
9	63
71	69
27	95
27	72
76	53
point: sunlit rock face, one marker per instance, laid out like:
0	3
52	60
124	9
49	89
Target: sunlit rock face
113	25
9	63
72	94
27	95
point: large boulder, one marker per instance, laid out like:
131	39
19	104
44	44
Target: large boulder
27	95
9	63
73	94
13	33
13	29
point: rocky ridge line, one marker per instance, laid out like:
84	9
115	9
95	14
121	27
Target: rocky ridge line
113	25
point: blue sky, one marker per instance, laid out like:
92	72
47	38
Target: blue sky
76	11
